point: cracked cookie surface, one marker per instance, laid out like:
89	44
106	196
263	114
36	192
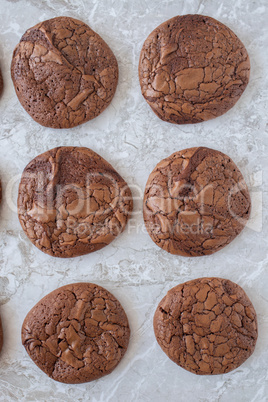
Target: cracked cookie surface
196	202
192	68
206	326
72	202
63	72
77	333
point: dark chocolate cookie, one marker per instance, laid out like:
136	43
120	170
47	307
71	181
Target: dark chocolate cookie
1	83
77	333
192	68
206	326
72	202
63	72
196	202
1	335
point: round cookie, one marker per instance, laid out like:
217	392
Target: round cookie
77	333
192	68
1	335
196	202
206	326
63	72
72	202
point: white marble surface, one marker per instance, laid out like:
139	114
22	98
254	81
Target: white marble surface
133	139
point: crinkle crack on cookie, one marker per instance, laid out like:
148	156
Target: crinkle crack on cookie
77	333
206	326
192	68
63	72
196	202
72	202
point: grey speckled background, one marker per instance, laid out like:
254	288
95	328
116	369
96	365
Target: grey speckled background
133	140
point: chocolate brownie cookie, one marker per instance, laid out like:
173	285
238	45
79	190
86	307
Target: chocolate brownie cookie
206	326
72	202
192	68
63	72
1	83
196	202
1	335
77	333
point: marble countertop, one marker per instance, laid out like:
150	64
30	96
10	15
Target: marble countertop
137	272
